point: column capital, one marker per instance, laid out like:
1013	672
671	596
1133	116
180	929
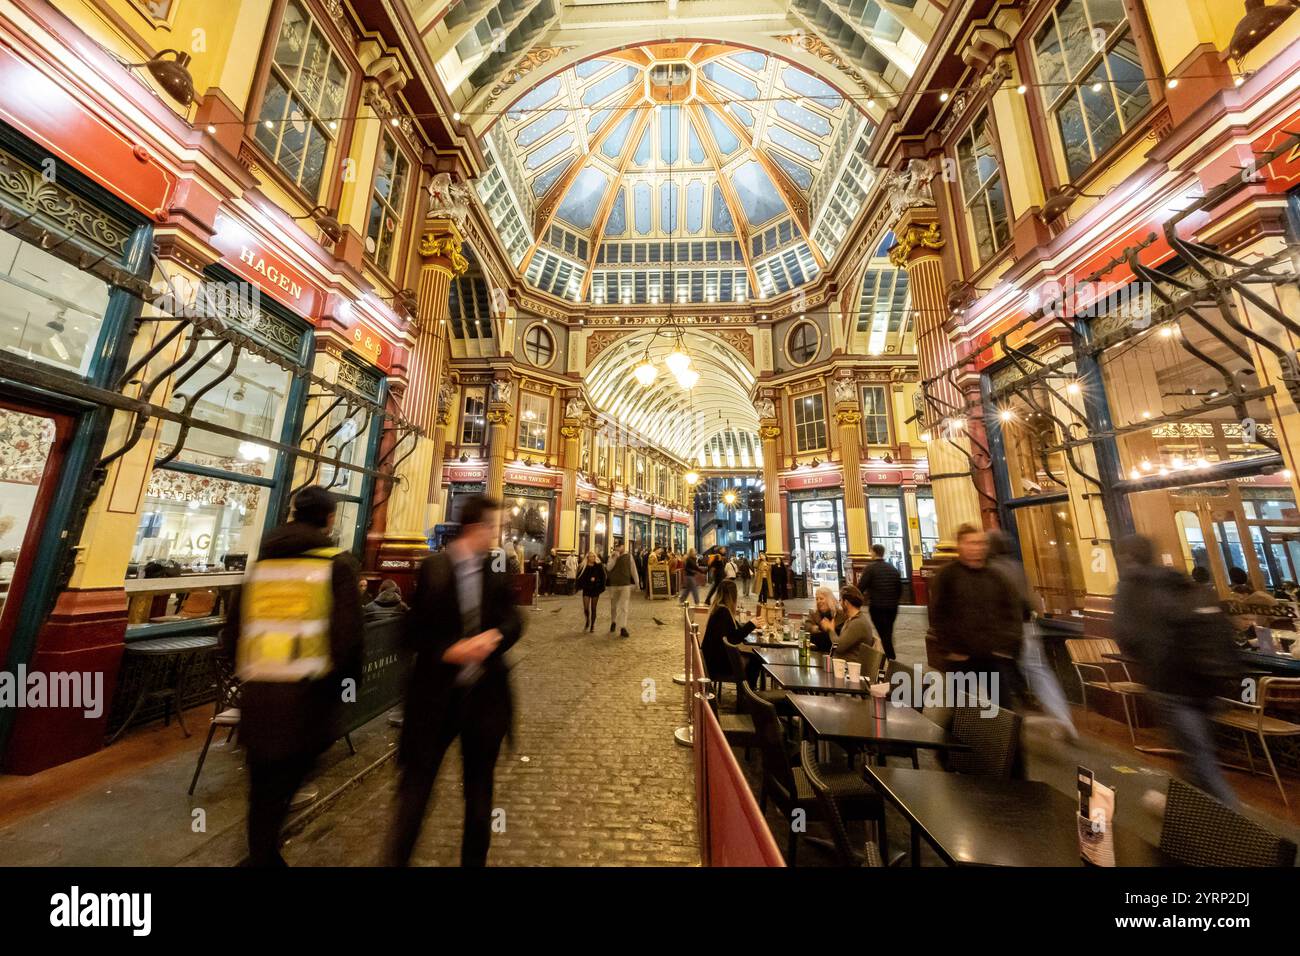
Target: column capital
845	416
441	245
917	235
500	416
769	431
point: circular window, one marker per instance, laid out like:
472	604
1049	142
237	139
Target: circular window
539	345
803	343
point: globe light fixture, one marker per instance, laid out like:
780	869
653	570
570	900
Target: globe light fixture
730	498
692	478
678	362
688	379
645	373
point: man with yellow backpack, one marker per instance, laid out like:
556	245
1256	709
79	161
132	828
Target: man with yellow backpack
294	631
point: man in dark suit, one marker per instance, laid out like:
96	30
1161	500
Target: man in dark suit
462	621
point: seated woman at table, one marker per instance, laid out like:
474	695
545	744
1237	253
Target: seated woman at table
853	639
722	626
825	619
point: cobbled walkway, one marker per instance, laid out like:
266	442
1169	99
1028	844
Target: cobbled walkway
594	777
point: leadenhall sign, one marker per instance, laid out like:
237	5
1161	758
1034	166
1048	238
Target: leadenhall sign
272	274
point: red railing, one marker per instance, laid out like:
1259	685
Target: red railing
730	826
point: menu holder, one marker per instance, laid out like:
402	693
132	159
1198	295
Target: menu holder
1096	820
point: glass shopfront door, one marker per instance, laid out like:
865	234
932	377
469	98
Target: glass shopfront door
818	526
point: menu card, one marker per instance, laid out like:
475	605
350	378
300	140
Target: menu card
1095	820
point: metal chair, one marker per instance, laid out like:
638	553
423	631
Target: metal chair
993	742
736	658
1252	719
873	854
1198	830
226	712
1086	654
789	787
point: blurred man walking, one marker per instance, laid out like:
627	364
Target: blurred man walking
463	620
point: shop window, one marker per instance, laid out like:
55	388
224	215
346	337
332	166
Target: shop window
1091	77
347	435
982	191
387	201
26	447
534	419
528	523
928	519
304	100
810	422
888	527
875	415
473	417
602	454
1049	548
50	311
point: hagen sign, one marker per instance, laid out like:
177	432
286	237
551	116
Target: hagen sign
243	254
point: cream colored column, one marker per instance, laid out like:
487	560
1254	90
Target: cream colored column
955	499
769	430
571	432
848	421
426	403
500	414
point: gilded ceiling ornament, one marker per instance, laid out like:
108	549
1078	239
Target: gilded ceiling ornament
927	237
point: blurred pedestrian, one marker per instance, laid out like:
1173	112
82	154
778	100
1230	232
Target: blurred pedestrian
882	586
591	582
1184	643
780	578
976	615
622	578
717	573
763	575
291	670
463	621
1037	671
744	573
690	567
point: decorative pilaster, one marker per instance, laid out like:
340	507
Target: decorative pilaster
943	422
848	422
499	416
575	412
769	431
411	507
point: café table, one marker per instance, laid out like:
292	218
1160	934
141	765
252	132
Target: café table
814	680
856	722
787	655
173	659
975	820
764	639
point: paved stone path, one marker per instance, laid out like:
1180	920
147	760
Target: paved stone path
594	778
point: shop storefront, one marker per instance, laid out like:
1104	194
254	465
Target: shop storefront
638	532
529	519
679	537
662	535
819	535
350	433
887	525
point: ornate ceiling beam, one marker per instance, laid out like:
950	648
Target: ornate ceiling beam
607	203
738	220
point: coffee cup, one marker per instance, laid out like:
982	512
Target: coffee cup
855	670
839	665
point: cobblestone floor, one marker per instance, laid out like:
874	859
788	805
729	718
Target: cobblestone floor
594	778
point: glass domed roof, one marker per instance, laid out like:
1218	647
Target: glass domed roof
673	172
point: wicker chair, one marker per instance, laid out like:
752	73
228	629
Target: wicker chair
737	728
789	787
994	742
736	657
1086	654
1200	831
1252	720
226	713
872	854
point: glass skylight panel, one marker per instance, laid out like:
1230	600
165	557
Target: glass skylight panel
617	139
538	97
616	225
694	206
740	87
607	86
670	132
545	153
742	113
805	84
804	118
584	196
668	207
749	59
589	68
757	193
694	148
598	119
538	128
641	212
721	219
548	179
795	144
722	134
801	176
642	155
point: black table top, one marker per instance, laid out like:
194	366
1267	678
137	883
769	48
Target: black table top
997	821
868	720
769	640
788	656
815	679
